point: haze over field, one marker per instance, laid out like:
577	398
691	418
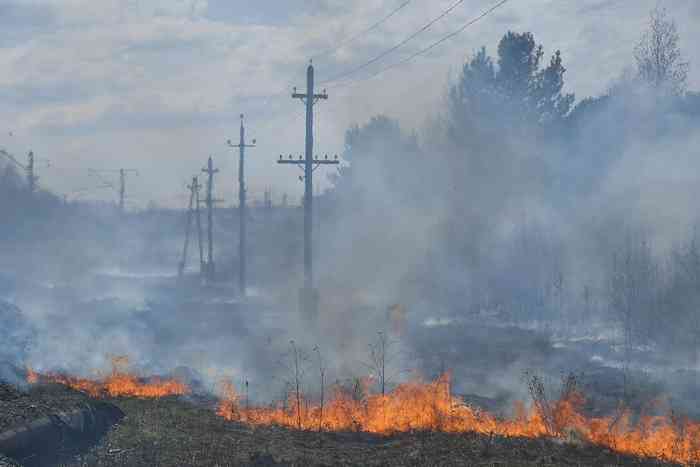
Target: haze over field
521	197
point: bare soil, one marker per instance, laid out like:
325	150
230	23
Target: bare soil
19	407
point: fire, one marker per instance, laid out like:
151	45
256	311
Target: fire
430	406
119	383
32	376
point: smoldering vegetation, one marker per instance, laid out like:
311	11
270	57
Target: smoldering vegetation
520	205
522	228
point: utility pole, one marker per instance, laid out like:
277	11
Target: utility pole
188	223
121	191
242	209
122	187
210	171
31	176
309	295
198	219
268	199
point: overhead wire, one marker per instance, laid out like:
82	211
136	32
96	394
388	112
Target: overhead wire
352	38
298	115
424	50
12	159
395	47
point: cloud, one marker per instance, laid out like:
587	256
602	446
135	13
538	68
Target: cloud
113	66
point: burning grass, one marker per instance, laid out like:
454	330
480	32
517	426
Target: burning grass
172	432
119	383
427	407
430	406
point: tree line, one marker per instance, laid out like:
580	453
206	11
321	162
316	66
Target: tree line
522	198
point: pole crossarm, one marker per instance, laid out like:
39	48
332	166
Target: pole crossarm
315	162
305	96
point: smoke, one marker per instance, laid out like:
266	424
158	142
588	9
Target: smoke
493	244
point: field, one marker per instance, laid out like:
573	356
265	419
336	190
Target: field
173	432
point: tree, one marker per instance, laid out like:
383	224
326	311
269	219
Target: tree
518	64
634	292
381	156
659	60
473	100
295	362
551	104
683	299
486	99
381	359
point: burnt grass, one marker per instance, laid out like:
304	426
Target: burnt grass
18	407
174	432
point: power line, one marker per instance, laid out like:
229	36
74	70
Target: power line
371	28
12	159
395	47
342	43
426	49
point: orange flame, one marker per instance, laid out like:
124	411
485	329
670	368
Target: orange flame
32	376
119	383
418	406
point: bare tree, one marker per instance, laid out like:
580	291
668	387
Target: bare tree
542	405
658	55
684	296
379	359
322	374
296	362
633	288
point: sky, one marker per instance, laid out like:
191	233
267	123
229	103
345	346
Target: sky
158	85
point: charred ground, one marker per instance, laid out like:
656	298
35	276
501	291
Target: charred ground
173	432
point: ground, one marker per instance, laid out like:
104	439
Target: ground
172	432
18	407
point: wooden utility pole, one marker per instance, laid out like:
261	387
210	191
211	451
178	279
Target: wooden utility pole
309	295
198	219
268	199
121	190
31	176
242	209
122	187
210	171
194	195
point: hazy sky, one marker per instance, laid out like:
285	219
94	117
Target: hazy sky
158	85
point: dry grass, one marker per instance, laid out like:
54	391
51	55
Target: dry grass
171	432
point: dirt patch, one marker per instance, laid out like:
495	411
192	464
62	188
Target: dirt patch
7	462
20	407
173	432
49	423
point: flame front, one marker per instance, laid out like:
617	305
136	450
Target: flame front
120	383
420	406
